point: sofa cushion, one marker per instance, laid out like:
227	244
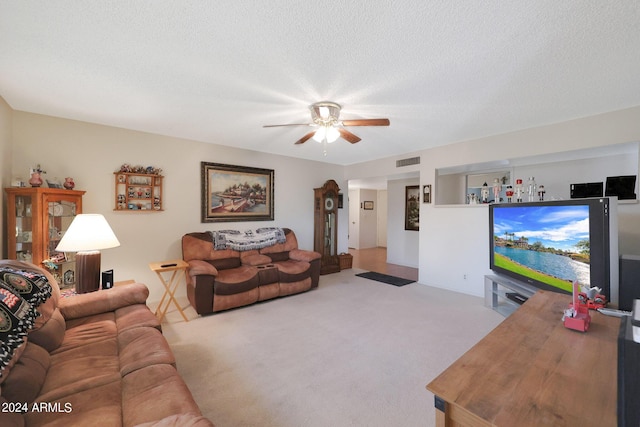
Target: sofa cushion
150	384
136	316
254	258
51	333
86	330
225	263
236	280
292	271
140	347
24	381
100	407
10	418
81	369
278	256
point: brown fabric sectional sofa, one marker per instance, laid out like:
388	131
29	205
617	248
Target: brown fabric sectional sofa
96	359
221	279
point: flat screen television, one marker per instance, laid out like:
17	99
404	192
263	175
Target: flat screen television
549	245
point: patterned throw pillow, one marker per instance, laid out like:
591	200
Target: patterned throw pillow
16	318
33	287
21	292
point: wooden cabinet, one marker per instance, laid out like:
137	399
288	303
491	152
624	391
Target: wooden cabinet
37	218
138	192
325	235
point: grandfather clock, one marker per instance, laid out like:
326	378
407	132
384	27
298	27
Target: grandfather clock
325	236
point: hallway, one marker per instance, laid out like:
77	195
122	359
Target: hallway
375	259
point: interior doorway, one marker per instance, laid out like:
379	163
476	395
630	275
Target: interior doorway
377	209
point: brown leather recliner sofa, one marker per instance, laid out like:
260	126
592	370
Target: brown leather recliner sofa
221	279
91	359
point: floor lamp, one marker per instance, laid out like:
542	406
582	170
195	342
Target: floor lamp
87	235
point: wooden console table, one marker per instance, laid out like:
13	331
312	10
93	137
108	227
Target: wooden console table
532	371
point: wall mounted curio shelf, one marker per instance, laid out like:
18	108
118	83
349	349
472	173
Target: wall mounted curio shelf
137	190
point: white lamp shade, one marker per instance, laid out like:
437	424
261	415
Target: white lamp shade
328	133
320	134
332	134
88	232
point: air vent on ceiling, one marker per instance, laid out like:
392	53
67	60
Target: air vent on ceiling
408	162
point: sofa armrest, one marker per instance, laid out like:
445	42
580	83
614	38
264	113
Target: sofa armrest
198	267
303	255
104	301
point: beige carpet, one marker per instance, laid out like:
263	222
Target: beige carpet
353	352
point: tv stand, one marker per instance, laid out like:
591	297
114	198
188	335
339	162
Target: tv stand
505	295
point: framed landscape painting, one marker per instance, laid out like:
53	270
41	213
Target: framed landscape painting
236	193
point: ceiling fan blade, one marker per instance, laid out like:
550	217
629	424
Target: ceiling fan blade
366	122
348	135
305	138
290	124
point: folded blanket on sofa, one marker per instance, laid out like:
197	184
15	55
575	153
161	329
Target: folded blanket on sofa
247	240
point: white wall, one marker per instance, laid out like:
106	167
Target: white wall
368	222
381	225
90	153
402	245
5	164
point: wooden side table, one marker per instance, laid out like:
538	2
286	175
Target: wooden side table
177	268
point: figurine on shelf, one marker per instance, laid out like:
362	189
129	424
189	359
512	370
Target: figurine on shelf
485	193
36	176
36	179
497	188
541	192
68	183
509	193
519	190
532	189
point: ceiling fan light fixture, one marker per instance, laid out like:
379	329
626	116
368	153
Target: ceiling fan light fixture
326	133
332	134
325	113
320	134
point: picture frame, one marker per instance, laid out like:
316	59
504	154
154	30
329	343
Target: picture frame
412	208
368	205
426	193
53	184
236	193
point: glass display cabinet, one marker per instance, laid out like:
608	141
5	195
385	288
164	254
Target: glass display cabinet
326	226
37	218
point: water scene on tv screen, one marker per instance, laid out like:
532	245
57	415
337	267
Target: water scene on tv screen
549	244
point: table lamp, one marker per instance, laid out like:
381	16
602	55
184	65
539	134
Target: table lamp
87	234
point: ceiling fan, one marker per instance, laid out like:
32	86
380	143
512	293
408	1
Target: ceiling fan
325	116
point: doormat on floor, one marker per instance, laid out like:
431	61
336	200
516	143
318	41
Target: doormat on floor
385	278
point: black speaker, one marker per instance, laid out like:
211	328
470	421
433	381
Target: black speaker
622	186
107	279
587	189
629	289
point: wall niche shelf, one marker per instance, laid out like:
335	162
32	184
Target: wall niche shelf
556	171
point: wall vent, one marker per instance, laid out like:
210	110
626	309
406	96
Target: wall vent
408	162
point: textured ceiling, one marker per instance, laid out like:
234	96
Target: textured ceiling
442	71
